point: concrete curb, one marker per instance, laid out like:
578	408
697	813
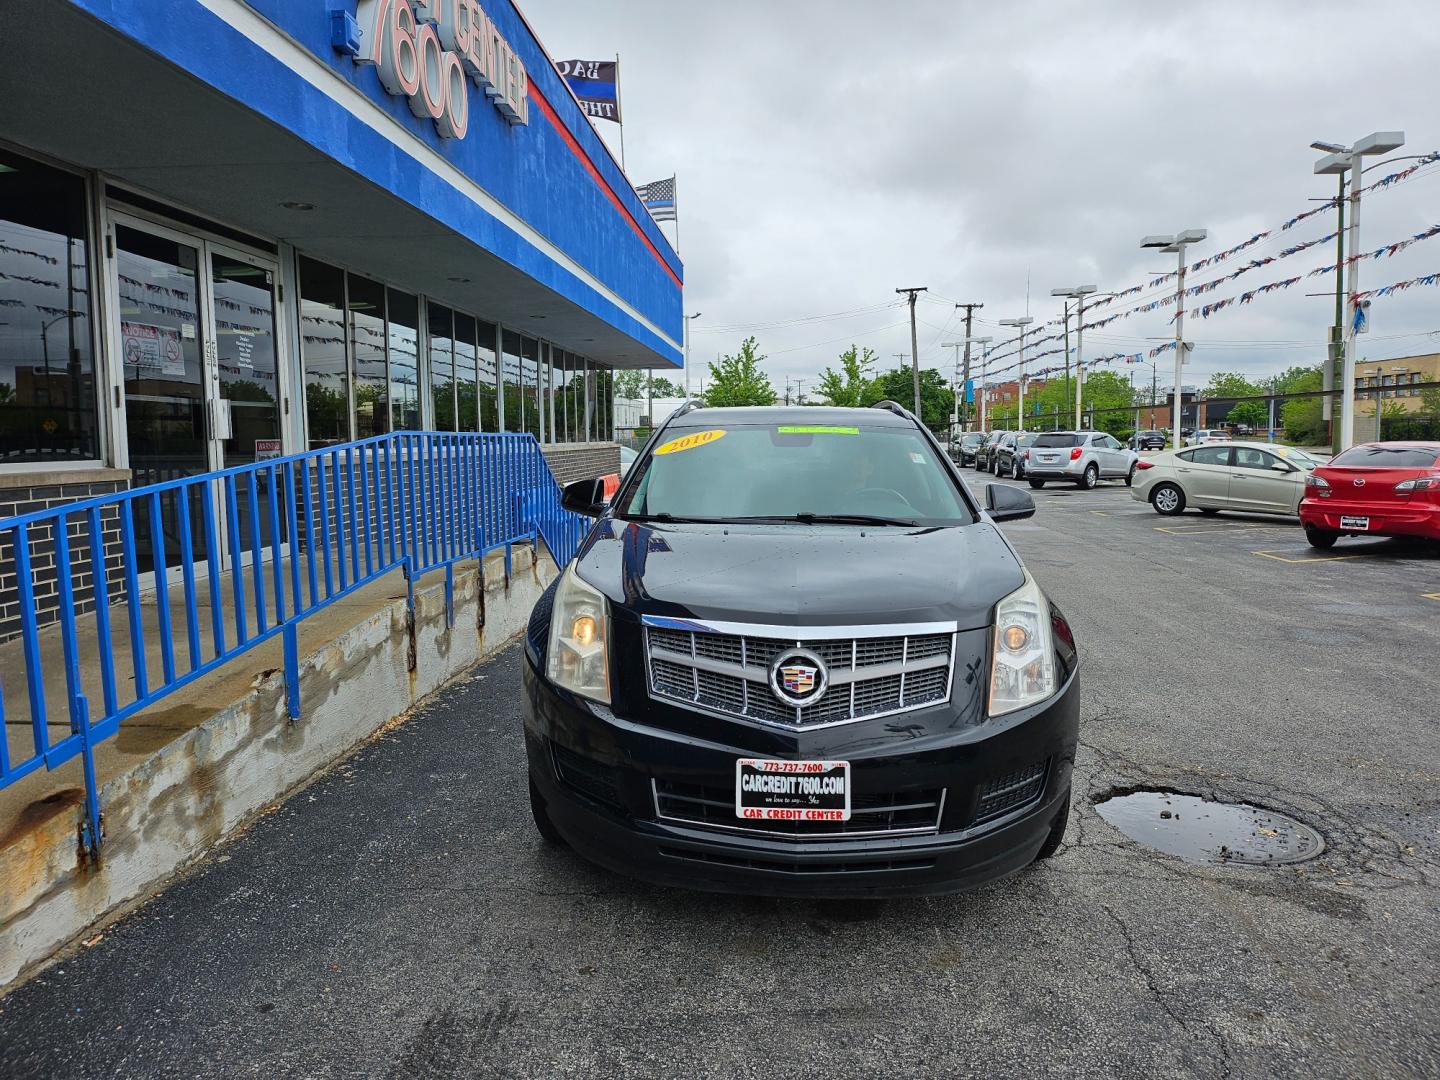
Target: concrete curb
169	810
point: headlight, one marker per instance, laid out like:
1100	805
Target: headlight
1023	671
578	657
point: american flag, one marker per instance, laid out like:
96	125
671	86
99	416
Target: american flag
659	198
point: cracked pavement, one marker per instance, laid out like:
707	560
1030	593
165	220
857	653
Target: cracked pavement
400	918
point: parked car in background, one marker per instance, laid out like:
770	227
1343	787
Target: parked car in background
1011	454
1081	457
963	451
1374	489
984	460
1207	435
1254	477
1148	440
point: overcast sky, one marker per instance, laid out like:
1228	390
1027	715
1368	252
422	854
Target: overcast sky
830	151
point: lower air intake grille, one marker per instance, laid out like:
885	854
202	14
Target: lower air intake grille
902	813
585	776
1010	792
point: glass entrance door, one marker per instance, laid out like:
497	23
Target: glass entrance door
198	341
163	357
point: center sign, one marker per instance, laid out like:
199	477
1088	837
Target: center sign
428	51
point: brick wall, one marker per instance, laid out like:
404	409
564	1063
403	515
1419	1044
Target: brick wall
582	461
25	493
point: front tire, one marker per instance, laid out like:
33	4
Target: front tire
1016	472
1168	500
1057	832
543	825
1091	477
1320	538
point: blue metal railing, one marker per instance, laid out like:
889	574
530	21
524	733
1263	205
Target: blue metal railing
294	535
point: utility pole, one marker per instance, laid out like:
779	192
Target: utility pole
965	377
914	347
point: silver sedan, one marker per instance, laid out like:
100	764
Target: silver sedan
1263	478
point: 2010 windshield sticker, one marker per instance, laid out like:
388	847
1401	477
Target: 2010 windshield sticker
815	429
690	442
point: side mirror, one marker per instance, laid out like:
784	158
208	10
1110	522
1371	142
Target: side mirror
584	497
1005	503
1281	467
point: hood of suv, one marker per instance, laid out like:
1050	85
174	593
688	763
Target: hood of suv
822	575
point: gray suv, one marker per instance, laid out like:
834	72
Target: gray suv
1081	457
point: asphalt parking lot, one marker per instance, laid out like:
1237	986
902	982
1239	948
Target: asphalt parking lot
400	918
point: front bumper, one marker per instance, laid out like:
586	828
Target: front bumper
598	774
1386	519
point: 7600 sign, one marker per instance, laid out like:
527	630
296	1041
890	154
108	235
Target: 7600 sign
428	50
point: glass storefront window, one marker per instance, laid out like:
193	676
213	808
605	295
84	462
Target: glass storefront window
322	344
367	341
442	367
530	384
47	367
489	374
403	336
510	374
547	394
604	404
467	398
562	396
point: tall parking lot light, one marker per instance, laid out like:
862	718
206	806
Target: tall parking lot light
1337	163
1021	324
1078	293
1177	244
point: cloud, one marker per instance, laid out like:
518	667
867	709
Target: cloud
828	152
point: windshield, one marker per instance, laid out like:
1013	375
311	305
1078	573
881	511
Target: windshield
1056	439
970	438
1389	457
868	475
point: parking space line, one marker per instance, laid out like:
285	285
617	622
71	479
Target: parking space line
1220	527
1308	559
1430	596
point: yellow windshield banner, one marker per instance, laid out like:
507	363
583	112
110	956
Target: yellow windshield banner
689	442
816	429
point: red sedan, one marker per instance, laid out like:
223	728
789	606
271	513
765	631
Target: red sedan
1374	489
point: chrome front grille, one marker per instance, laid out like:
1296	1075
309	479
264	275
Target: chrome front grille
724	668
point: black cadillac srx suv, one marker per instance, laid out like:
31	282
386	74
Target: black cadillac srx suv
795	656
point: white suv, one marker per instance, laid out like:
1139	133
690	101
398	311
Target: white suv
1081	457
1208	435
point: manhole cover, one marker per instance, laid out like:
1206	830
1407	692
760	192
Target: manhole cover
1201	831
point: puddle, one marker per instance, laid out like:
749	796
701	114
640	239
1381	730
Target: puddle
1200	831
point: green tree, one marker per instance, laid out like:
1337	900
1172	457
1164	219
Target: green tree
1231	384
739	379
1430	400
630	384
1302	418
1255	414
849	387
937	400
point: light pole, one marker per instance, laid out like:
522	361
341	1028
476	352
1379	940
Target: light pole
1337	163
1177	244
959	381
1078	294
981	389
688	319
1021	324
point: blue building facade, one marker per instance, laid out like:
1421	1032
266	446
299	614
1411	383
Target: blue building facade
234	229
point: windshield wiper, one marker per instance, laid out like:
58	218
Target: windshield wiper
669	519
807	517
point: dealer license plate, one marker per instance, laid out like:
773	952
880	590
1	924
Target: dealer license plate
768	790
1354	523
